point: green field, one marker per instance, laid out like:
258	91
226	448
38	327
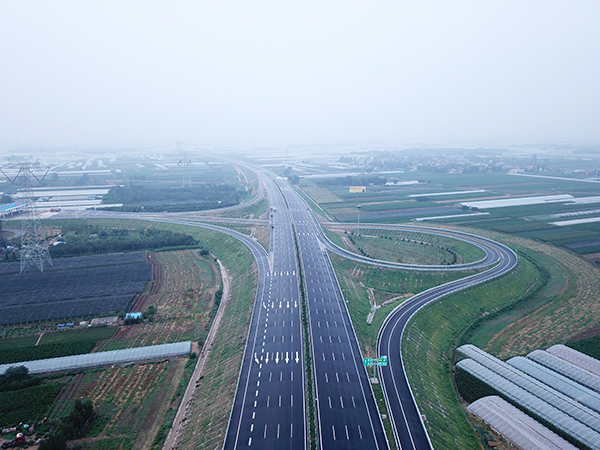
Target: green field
52	344
27	405
407	247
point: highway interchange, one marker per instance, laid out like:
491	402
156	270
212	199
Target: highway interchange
269	409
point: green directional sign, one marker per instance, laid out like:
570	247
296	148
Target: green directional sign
367	361
382	360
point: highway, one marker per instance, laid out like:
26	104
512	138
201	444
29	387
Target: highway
346	411
269	406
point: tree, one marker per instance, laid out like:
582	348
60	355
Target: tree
16	373
6	199
54	441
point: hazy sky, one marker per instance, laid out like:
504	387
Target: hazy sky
89	73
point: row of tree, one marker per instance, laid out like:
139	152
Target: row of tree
84	239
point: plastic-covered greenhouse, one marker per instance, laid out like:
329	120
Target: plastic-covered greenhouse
544	392
104	358
533	404
516	426
577	358
565	368
562	384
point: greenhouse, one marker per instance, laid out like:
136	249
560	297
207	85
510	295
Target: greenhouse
516	426
567	369
577	358
555	380
544	392
104	358
533	404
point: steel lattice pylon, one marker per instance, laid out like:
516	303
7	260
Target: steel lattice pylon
34	249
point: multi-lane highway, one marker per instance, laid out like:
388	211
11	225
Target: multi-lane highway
269	406
346	411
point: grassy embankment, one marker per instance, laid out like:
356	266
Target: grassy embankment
547	299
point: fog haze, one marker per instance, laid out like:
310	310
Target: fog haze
89	73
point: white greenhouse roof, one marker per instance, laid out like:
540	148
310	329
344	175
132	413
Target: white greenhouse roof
542	391
518	201
516	426
104	358
574	357
559	382
569	370
533	404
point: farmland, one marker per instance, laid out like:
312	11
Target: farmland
72	287
549	298
52	344
184	311
138	402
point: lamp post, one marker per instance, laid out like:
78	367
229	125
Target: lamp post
358	207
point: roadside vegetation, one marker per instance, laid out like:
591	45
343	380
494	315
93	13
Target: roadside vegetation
373	292
540	303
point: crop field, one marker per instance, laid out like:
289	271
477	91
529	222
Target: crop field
52	344
321	194
132	401
398	204
496	185
72	287
27	405
183	293
409	247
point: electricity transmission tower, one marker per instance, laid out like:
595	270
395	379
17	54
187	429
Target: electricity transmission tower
34	249
185	164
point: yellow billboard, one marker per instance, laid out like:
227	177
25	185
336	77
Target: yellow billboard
356	189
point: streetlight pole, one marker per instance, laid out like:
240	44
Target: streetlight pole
358	219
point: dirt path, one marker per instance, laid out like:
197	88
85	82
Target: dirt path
189	397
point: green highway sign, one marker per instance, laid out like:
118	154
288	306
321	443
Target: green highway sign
382	360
